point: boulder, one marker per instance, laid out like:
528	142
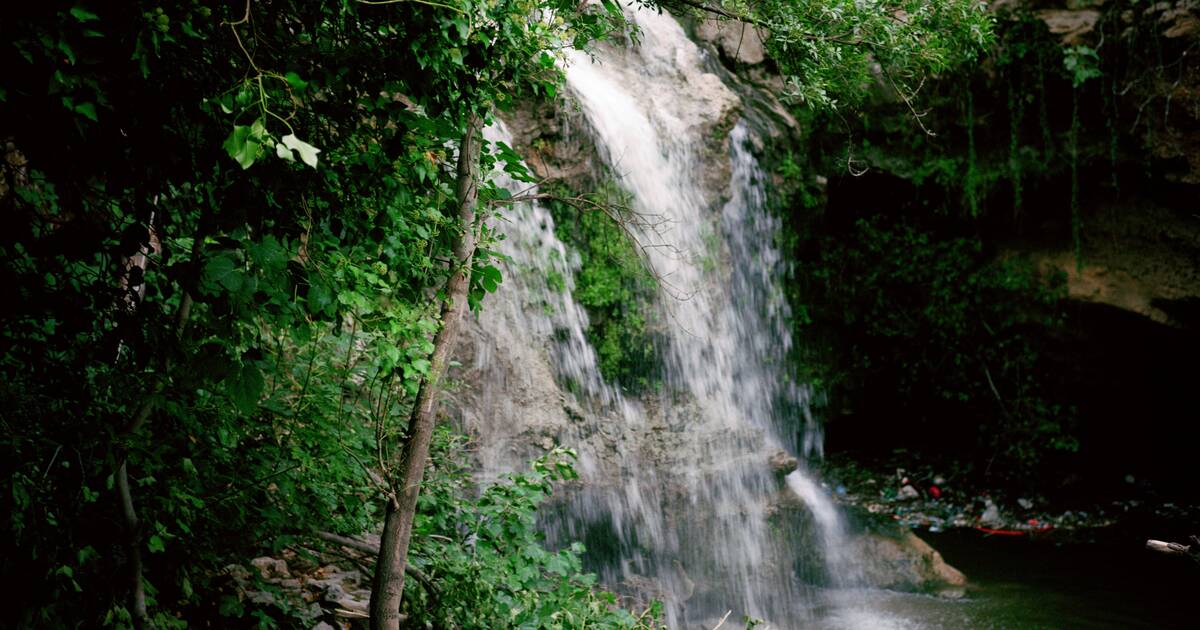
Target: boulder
902	561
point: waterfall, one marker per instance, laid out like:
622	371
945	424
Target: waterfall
677	494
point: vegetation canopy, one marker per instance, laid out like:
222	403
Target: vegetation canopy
230	232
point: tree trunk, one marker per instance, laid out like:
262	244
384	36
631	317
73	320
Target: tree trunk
133	542
133	532
388	586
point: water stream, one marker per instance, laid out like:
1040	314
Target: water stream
678	500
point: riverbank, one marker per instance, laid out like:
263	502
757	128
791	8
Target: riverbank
915	492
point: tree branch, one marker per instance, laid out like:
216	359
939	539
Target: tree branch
373	551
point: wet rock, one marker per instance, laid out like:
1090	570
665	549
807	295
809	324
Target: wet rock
782	463
1025	503
903	561
907	493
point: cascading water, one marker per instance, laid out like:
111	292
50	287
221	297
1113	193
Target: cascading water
676	501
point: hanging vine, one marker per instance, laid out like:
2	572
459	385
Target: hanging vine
1016	113
970	187
1043	109
1082	64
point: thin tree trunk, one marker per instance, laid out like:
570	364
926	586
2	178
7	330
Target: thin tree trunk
388	588
133	296
133	535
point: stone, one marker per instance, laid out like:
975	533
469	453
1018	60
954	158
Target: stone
905	562
907	493
736	40
782	462
991	514
1071	26
1024	503
271	567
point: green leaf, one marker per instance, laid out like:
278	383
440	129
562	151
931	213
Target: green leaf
308	153
295	81
222	271
155	544
66	50
320	299
87	110
492	273
243	146
245	387
612	8
282	151
489	278
83	15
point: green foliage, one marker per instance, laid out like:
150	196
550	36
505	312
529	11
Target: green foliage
246	333
1026	143
1082	64
617	289
487	556
942	324
922	315
281	323
832	53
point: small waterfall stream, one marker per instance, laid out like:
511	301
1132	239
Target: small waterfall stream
678	496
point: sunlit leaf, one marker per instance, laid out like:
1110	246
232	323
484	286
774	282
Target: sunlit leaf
308	153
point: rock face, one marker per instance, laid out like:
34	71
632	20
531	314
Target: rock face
1145	260
905	562
511	401
736	40
1072	25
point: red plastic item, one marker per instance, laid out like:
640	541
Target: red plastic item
1014	532
1001	532
935	492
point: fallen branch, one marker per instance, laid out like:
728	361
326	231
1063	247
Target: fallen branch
373	551
352	543
1176	549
